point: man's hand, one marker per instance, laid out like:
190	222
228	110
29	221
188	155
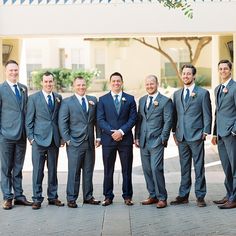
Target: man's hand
136	143
164	143
117	135
97	143
175	139
214	140
204	137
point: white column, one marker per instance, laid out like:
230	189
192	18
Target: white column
1	66
234	55
215	59
22	56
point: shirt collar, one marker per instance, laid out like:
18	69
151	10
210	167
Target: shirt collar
226	83
190	88
80	97
119	94
11	84
153	95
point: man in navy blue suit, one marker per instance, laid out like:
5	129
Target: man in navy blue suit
116	116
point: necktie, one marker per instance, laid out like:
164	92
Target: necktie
117	103
18	96
84	105
150	102
50	104
186	96
221	91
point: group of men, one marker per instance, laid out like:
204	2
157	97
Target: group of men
48	122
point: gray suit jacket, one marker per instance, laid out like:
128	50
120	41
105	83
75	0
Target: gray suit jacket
155	124
41	123
75	125
225	119
12	113
193	119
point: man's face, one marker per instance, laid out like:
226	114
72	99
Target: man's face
12	72
224	71
116	84
47	83
187	76
151	85
80	86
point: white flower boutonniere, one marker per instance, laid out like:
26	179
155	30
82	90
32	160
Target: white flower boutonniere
123	99
193	95
91	103
225	90
58	100
155	103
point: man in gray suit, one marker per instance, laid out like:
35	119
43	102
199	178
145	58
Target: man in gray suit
225	131
43	134
192	123
13	98
151	135
77	121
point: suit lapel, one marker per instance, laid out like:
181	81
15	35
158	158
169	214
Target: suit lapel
221	97
191	97
45	105
143	103
11	94
157	99
79	107
112	104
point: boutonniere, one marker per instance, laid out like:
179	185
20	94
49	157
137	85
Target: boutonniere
155	103
225	90
22	90
58	100
91	103
123	99
193	95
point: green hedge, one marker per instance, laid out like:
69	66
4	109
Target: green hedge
63	77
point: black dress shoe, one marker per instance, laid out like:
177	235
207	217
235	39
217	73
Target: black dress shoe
128	202
56	202
201	202
92	201
7	204
107	202
36	205
228	205
179	200
221	201
72	204
23	202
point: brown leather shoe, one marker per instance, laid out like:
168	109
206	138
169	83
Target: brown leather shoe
56	202
201	202
228	205
36	205
221	201
179	200
149	201
161	204
72	204
128	202
7	204
23	202
92	201
107	202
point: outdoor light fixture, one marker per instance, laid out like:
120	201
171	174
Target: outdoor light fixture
6	51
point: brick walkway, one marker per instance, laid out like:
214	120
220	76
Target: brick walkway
122	220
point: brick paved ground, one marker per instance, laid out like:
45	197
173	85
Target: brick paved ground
122	220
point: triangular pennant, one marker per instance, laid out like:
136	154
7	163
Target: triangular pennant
5	1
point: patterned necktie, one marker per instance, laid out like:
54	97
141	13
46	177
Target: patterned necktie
117	103
150	102
186	96
84	105
17	93
50	104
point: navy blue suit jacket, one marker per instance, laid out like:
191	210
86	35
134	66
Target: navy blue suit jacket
108	119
